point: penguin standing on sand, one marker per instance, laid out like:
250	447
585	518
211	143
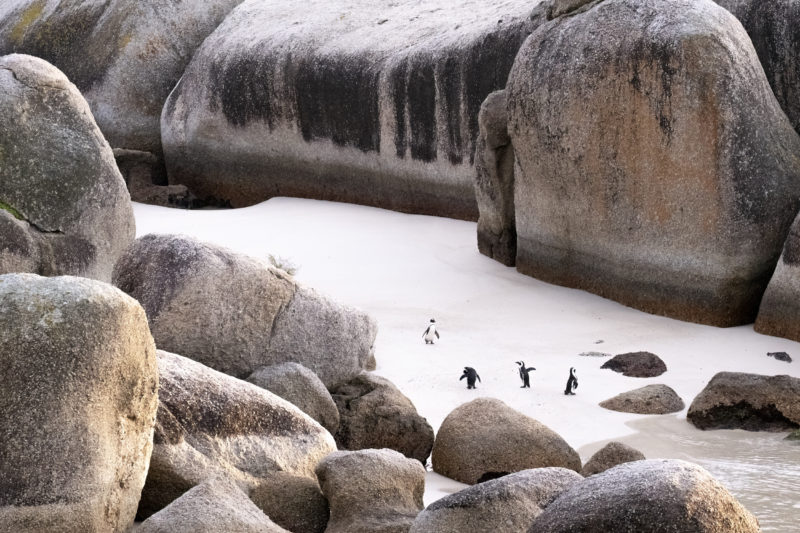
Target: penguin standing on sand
470	374
572	382
430	333
523	375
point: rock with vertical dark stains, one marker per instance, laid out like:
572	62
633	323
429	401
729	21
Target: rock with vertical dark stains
212	507
375	414
299	386
664	496
734	400
654	167
485	439
506	504
774	28
370	102
210	424
371	491
235	314
125	56
77	405
494	182
64	208
779	312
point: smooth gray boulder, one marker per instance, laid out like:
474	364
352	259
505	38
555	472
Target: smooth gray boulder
375	414
212	507
293	502
648	400
655	168
779	312
485	438
735	400
612	454
299	386
774	28
210	424
372	102
371	491
506	504
656	496
235	314
637	364
77	405
125	56
64	208
494	182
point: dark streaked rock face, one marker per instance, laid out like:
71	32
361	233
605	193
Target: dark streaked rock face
212	424
64	208
506	504
125	56
656	168
371	102
734	400
77	405
637	364
664	496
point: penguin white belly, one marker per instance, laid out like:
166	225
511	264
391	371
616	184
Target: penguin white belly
431	334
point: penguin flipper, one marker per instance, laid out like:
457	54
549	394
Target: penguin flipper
477	376
462	377
436	333
530	368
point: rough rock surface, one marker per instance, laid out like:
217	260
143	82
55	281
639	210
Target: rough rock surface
734	400
235	314
774	28
371	491
780	356
779	312
293	502
299	386
124	55
63	204
647	400
637	364
794	435
664	496
365	101
654	168
485	438
146	180
494	182
506	504
214	506
612	454
375	414
210	424
77	405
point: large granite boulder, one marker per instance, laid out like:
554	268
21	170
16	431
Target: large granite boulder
210	424
647	400
636	364
779	312
293	502
612	454
774	28
506	504
125	56
656	496
371	101
212	507
485	438
734	400
64	208
300	386
375	414
235	314
77	405
494	182
371	491
655	168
